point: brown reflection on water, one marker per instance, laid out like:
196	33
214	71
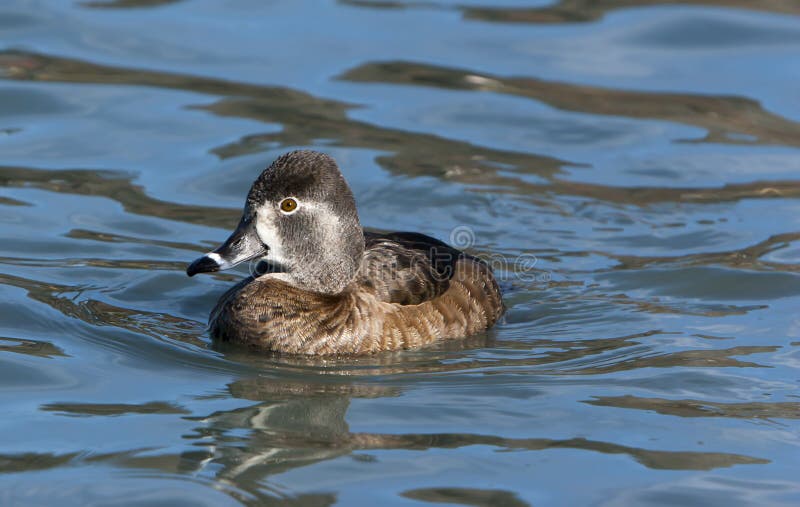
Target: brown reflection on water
662	460
572	11
113	409
299	419
744	258
466	496
700	408
643	196
8	201
145	461
126	4
28	66
725	118
309	426
118	186
679	307
148	265
575	11
705	358
67	300
36	348
121	238
411	153
298	423
304	119
286	389
28	461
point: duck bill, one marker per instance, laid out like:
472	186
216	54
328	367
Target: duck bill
243	245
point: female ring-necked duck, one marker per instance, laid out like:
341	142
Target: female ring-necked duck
331	288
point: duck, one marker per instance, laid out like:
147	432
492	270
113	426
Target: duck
323	286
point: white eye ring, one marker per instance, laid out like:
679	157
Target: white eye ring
289	205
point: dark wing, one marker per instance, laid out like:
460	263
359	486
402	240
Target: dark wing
407	267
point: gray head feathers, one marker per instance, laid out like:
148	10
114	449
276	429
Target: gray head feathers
300	218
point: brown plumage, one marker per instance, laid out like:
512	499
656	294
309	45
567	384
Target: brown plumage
375	292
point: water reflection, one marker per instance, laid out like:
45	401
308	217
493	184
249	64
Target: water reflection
69	301
299	423
304	422
36	348
710	490
582	11
116	185
734	120
699	408
33	461
113	409
299	418
466	496
304	119
572	11
126	4
751	257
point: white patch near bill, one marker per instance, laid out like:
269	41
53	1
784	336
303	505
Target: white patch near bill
267	230
222	263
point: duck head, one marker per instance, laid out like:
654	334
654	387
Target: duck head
300	218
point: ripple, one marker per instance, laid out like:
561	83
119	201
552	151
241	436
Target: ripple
466	496
304	118
583	11
709	490
64	487
16	102
719	284
116	185
700	408
720	116
127	4
36	348
690	31
113	409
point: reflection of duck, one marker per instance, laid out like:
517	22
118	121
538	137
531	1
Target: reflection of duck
302	421
331	288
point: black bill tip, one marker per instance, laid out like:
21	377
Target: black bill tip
204	264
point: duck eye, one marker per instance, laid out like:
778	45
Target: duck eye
288	205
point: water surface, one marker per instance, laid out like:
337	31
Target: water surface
642	159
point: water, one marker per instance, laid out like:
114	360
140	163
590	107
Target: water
646	156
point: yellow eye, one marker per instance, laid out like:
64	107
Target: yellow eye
288	205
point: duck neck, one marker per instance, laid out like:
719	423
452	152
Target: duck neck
331	265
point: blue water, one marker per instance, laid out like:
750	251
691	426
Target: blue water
633	170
